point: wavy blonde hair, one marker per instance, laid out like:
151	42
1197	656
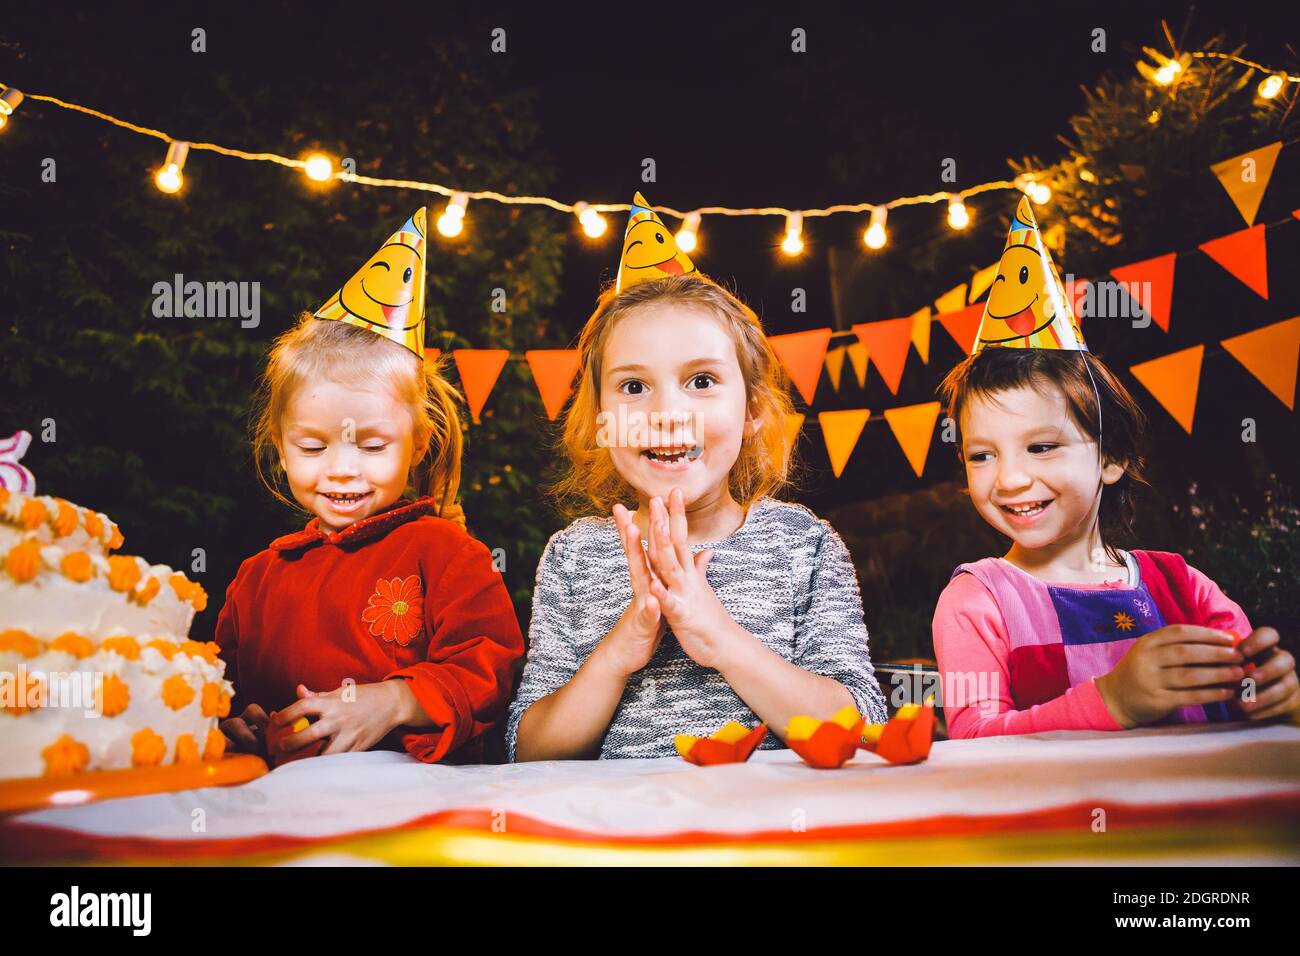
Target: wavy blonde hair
764	465
315	350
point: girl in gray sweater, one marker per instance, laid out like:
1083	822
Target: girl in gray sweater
711	601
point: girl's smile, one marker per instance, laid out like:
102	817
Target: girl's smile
347	451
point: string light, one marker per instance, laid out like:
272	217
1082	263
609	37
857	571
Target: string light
452	220
9	101
593	223
688	236
319	167
958	215
169	178
1165	72
875	237
1168	73
792	244
1271	86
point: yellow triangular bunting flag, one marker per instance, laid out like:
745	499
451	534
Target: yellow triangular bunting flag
980	282
793	422
858	357
1174	381
951	301
913	426
835	365
1271	354
1245	177
921	333
840	431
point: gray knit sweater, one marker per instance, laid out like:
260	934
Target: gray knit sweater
784	575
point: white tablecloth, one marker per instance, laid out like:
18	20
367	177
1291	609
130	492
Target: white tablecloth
773	793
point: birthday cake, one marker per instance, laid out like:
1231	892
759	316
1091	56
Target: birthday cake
97	671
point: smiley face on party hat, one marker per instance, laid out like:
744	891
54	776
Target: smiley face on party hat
1027	307
649	249
386	295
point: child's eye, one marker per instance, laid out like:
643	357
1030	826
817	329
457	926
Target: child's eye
978	456
1042	448
702	380
632	387
374	447
310	449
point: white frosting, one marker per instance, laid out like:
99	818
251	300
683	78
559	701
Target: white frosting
24	736
52	604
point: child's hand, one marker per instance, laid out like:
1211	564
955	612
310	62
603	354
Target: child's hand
635	638
1277	691
698	619
247	732
357	722
1176	666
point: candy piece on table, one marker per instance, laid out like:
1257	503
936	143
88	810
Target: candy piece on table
825	744
905	738
277	732
732	743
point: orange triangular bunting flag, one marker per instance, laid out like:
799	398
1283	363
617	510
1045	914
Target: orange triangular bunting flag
840	431
793	422
858	358
963	325
952	300
1154	288
553	371
1244	255
1245	177
886	343
478	370
913	426
1271	354
921	333
835	365
803	354
1174	381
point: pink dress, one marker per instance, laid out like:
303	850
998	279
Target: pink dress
1018	655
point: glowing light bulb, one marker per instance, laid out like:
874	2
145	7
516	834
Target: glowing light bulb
1168	73
1040	192
9	101
452	220
875	237
1271	86
169	178
688	236
792	244
593	223
319	167
958	215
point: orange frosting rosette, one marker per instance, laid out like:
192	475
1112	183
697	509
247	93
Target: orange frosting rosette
825	744
905	738
731	743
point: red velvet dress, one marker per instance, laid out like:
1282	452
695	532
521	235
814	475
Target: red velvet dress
401	594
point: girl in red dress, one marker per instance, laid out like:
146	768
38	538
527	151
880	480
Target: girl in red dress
383	622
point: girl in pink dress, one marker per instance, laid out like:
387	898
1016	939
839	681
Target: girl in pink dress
1066	631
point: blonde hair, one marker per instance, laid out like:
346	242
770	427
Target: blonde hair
315	350
765	461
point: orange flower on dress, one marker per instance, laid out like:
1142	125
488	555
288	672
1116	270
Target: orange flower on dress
395	611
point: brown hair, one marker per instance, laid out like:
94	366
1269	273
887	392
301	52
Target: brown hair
764	464
1121	426
316	349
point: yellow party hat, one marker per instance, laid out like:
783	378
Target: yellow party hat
386	295
1027	307
649	250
